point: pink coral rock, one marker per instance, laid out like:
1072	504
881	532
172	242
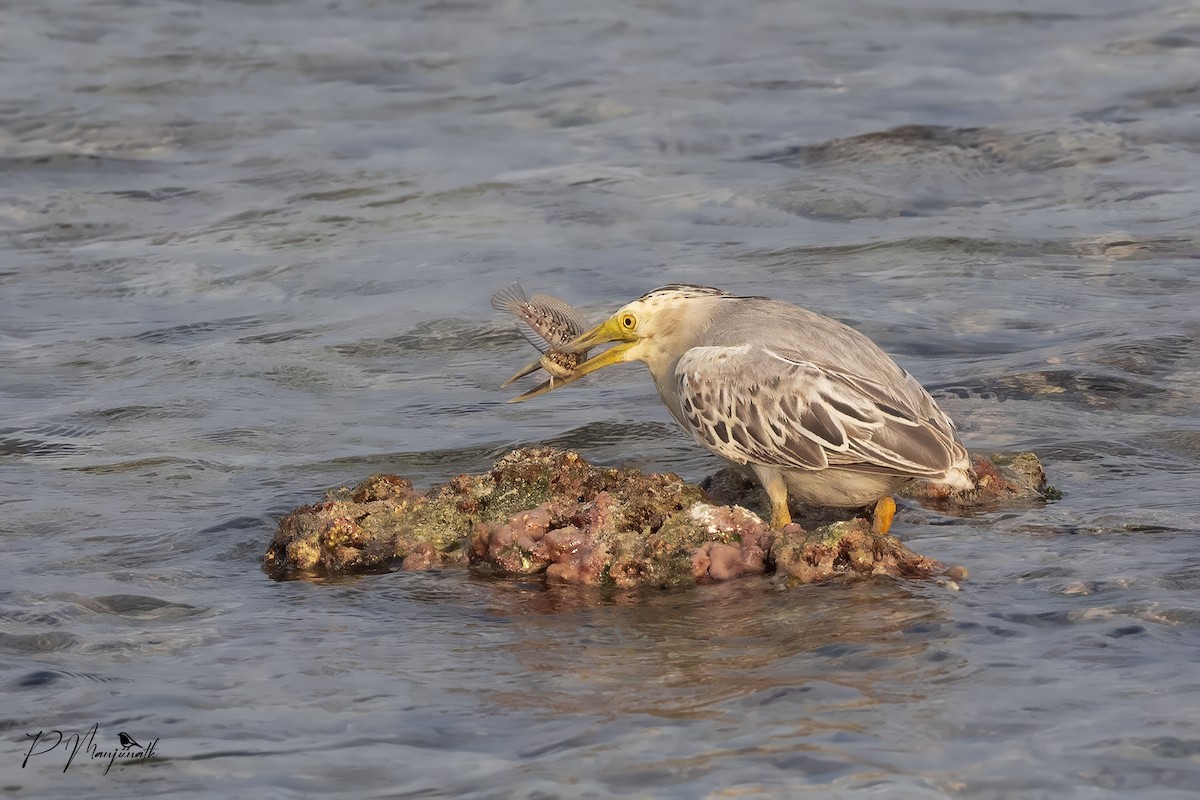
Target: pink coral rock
541	511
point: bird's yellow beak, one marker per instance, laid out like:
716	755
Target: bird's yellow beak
608	331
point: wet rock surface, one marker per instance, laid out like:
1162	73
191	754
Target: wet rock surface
547	512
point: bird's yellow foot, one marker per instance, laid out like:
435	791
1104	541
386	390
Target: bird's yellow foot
881	517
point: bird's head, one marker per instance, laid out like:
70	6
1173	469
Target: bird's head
656	328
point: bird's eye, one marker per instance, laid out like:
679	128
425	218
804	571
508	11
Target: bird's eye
629	322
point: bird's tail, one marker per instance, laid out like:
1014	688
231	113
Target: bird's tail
960	477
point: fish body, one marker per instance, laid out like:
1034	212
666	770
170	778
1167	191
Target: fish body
548	323
560	364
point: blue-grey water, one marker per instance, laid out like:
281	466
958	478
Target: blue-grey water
247	254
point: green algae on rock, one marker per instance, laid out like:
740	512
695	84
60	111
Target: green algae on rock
547	512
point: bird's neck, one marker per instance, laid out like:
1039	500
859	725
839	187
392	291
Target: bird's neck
668	391
690	331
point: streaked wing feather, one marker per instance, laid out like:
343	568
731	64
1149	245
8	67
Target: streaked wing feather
749	404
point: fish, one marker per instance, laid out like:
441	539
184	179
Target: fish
548	323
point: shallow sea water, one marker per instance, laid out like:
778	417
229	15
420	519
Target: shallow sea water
248	251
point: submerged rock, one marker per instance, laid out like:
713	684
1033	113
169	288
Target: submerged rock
541	511
1001	480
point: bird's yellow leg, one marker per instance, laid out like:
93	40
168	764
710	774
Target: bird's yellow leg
776	488
881	519
780	516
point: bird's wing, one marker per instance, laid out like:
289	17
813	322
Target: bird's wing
752	405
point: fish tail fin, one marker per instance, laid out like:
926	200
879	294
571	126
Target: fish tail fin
510	298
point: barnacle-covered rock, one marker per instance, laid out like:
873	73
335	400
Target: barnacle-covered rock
847	548
548	512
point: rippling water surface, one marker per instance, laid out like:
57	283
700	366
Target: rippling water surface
248	250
